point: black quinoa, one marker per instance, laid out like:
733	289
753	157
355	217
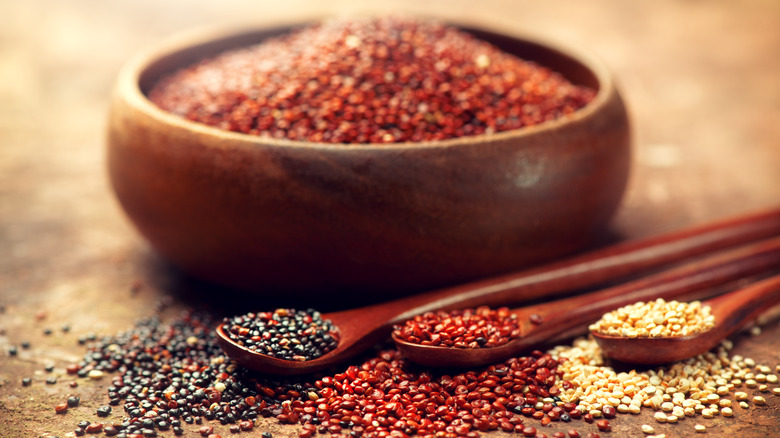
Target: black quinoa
104	411
288	334
179	371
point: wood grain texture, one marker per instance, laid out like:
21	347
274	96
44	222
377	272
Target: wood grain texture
699	78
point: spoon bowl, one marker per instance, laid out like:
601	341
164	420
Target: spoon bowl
731	311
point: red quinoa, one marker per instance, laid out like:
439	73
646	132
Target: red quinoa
367	80
383	396
470	328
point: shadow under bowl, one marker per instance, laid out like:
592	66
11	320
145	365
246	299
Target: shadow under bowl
310	218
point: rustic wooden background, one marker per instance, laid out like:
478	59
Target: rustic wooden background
701	79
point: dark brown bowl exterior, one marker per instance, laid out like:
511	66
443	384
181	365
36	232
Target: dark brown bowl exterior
267	215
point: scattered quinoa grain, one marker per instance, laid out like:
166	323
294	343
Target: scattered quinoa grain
103	411
700	428
759	401
94	428
698	386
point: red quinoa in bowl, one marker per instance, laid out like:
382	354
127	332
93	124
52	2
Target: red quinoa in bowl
369	80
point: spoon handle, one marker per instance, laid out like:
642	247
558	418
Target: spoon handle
702	277
735	309
590	269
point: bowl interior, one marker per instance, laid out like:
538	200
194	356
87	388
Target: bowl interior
543	53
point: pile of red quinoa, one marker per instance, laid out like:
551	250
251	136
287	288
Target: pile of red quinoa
370	80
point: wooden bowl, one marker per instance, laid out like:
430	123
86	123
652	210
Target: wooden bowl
306	218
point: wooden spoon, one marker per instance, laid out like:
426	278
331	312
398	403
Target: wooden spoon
363	327
569	316
731	311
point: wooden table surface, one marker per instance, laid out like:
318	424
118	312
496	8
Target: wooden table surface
701	79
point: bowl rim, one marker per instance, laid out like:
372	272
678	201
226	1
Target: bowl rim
128	86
